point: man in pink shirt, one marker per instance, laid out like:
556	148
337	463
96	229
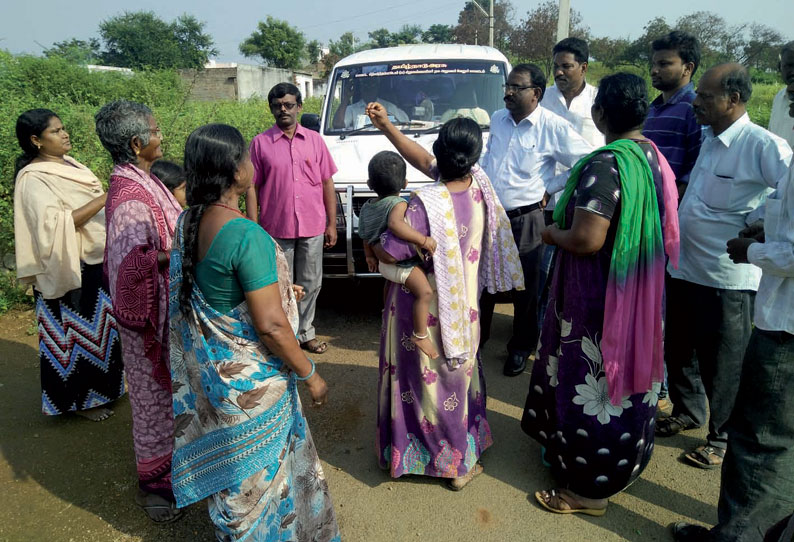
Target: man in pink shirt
294	186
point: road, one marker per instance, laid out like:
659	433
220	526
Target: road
71	480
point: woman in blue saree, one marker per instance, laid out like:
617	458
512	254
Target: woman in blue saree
241	439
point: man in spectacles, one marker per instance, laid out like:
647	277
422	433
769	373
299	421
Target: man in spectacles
294	187
526	144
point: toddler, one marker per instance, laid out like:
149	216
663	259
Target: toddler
386	179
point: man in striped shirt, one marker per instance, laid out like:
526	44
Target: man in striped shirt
671	121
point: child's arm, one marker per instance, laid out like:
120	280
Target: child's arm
372	260
399	227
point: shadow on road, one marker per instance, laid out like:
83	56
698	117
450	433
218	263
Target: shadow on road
85	464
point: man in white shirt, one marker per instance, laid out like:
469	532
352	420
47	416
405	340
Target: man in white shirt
525	145
571	97
780	123
709	299
757	487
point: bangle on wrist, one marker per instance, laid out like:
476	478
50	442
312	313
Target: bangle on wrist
308	376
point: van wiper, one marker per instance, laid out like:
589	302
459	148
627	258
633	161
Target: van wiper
437	128
367	127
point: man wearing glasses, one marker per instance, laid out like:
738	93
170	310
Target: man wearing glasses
526	144
293	184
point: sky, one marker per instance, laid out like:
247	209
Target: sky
30	26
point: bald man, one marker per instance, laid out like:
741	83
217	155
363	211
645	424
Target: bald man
709	298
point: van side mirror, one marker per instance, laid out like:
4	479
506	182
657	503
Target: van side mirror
311	121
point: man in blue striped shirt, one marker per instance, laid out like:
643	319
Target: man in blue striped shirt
671	121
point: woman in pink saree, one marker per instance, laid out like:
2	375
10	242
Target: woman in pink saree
141	216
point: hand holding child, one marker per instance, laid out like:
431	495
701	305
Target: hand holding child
429	245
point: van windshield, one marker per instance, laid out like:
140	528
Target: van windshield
418	95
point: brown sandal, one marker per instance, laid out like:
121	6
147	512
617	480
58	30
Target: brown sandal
706	457
314	346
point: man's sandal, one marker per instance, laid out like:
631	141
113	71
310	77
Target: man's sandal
672	425
706	457
314	346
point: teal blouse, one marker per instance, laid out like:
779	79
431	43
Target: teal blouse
241	258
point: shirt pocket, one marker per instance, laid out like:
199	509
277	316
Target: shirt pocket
527	151
718	192
311	170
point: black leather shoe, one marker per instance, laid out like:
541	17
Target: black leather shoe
687	532
515	364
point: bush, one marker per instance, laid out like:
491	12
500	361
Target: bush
12	294
76	94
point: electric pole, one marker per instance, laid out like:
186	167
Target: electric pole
488	14
563	19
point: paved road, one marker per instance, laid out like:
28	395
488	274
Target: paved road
72	480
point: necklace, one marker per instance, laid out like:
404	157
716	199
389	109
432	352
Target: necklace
230	208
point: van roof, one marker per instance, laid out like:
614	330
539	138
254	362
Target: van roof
423	52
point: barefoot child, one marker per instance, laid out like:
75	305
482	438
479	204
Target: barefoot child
173	178
386	179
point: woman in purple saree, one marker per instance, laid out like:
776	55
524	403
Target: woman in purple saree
593	391
431	412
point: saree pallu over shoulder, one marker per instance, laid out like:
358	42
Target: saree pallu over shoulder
647	231
139	278
500	268
235	403
49	248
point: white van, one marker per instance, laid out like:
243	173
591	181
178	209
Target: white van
422	86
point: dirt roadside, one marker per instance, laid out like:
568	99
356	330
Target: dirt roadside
67	479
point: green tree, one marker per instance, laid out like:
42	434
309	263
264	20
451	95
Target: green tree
347	44
472	25
639	52
380	38
142	40
407	34
314	49
439	33
762	48
277	43
535	36
76	51
609	51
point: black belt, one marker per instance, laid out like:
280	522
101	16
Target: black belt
518	211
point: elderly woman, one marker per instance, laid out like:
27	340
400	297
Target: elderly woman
141	215
242	441
59	228
593	391
431	412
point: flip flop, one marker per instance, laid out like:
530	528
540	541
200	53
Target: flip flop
314	346
553	492
151	510
706	457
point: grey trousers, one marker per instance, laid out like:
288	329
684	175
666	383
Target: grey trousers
757	486
706	334
305	258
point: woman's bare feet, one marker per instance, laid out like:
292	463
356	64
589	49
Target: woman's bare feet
95	414
424	344
564	501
